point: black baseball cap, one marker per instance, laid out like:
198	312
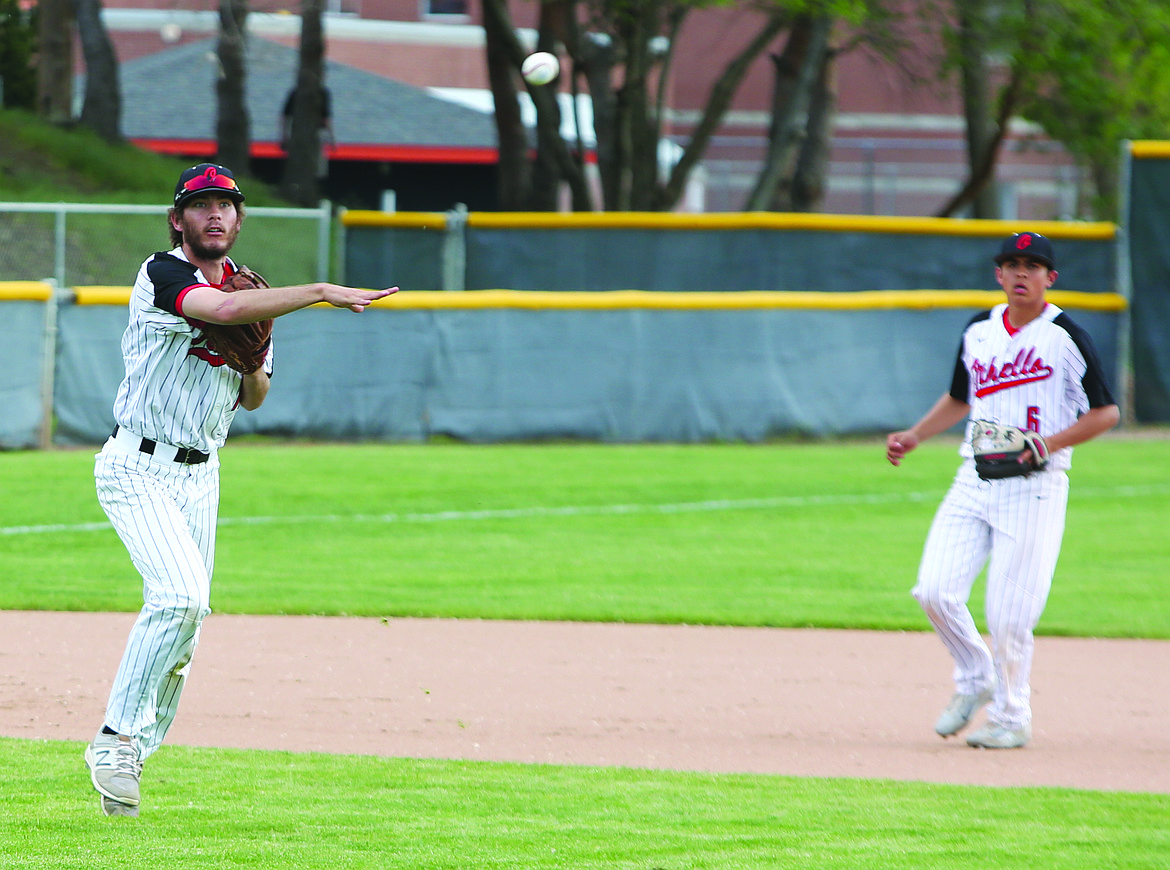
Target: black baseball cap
1027	244
203	178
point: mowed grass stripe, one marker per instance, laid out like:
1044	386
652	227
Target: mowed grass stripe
798	502
789	535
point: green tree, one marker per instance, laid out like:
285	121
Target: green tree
1091	73
18	46
622	51
1102	76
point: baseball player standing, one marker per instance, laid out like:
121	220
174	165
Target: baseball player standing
1026	364
158	474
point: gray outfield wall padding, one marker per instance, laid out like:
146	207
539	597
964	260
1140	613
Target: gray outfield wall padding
610	375
394	256
89	369
739	260
672	253
335	376
22	343
1149	244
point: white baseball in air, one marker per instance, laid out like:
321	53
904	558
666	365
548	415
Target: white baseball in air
540	68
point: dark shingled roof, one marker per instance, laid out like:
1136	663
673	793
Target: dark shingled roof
171	95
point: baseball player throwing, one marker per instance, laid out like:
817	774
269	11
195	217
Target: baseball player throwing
1023	365
158	474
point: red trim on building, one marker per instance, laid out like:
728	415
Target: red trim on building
367	153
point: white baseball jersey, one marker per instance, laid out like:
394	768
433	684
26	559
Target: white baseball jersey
1041	377
163	502
176	390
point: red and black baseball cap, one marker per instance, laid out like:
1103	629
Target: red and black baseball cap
204	178
1026	244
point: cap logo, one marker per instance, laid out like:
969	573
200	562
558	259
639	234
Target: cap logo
1024	241
210	178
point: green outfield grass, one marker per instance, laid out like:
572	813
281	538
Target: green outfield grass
215	809
781	534
824	535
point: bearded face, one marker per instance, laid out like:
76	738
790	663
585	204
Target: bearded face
209	226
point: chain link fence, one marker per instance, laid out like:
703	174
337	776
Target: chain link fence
79	244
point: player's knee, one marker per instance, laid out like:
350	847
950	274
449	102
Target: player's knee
184	606
933	599
925	596
194	610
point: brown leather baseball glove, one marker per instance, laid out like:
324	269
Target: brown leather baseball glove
243	346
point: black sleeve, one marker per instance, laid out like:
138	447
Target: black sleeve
170	277
1094	382
961	378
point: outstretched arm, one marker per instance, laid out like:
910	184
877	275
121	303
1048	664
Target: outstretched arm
250	306
947	411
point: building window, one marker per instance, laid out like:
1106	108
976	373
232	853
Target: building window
445	9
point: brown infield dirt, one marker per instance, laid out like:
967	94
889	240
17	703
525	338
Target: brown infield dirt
793	702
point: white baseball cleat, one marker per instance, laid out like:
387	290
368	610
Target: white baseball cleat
114	768
117	808
960	711
1000	737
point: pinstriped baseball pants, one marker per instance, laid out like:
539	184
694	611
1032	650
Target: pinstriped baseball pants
1015	528
165	514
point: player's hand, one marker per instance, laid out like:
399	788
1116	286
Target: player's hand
353	298
898	444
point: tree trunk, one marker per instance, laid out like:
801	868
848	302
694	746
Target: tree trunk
1106	184
796	75
18	49
233	127
102	109
555	162
982	173
55	61
547	172
565	27
515	172
628	123
717	105
974	74
812	166
597	61
638	127
304	151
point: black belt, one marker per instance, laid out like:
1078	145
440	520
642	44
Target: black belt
183	455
